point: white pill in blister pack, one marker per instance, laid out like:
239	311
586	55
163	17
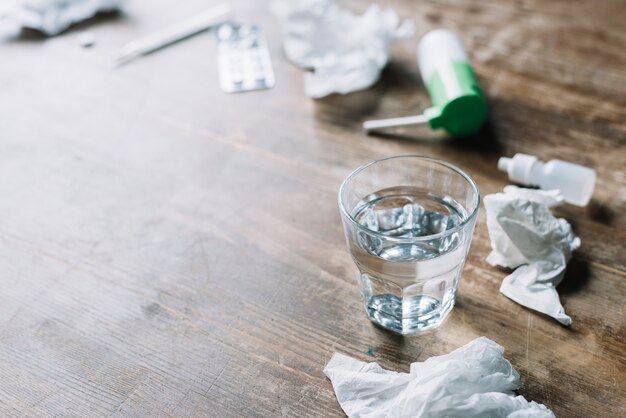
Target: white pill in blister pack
243	58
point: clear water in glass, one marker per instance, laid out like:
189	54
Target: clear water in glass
408	284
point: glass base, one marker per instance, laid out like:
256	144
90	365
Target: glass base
408	316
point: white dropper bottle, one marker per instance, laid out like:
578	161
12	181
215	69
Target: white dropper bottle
575	182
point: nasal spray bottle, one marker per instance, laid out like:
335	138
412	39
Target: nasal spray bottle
575	182
459	106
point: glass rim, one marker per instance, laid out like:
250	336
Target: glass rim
443	234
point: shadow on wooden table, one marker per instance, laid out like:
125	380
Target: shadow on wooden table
576	277
600	212
397	81
596	210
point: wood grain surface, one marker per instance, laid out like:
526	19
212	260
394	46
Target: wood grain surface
170	250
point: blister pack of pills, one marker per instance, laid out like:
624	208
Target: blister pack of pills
243	58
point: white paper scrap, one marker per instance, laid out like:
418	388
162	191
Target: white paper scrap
345	52
472	381
526	236
52	17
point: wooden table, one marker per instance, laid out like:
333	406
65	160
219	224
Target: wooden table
170	250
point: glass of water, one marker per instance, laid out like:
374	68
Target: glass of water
408	221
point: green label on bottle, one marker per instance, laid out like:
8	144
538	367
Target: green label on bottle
459	105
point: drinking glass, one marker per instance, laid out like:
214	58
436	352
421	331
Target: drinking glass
408	222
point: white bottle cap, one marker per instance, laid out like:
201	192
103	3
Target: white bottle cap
519	168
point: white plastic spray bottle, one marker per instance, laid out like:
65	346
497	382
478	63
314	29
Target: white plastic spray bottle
575	182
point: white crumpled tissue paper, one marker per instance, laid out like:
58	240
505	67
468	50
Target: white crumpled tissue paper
52	17
345	52
526	236
474	381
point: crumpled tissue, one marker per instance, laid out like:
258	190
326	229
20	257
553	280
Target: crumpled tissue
346	52
472	381
52	17
526	236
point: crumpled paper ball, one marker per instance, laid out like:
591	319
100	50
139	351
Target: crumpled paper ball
526	236
344	52
52	17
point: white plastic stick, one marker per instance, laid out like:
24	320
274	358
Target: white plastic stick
192	26
371	125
